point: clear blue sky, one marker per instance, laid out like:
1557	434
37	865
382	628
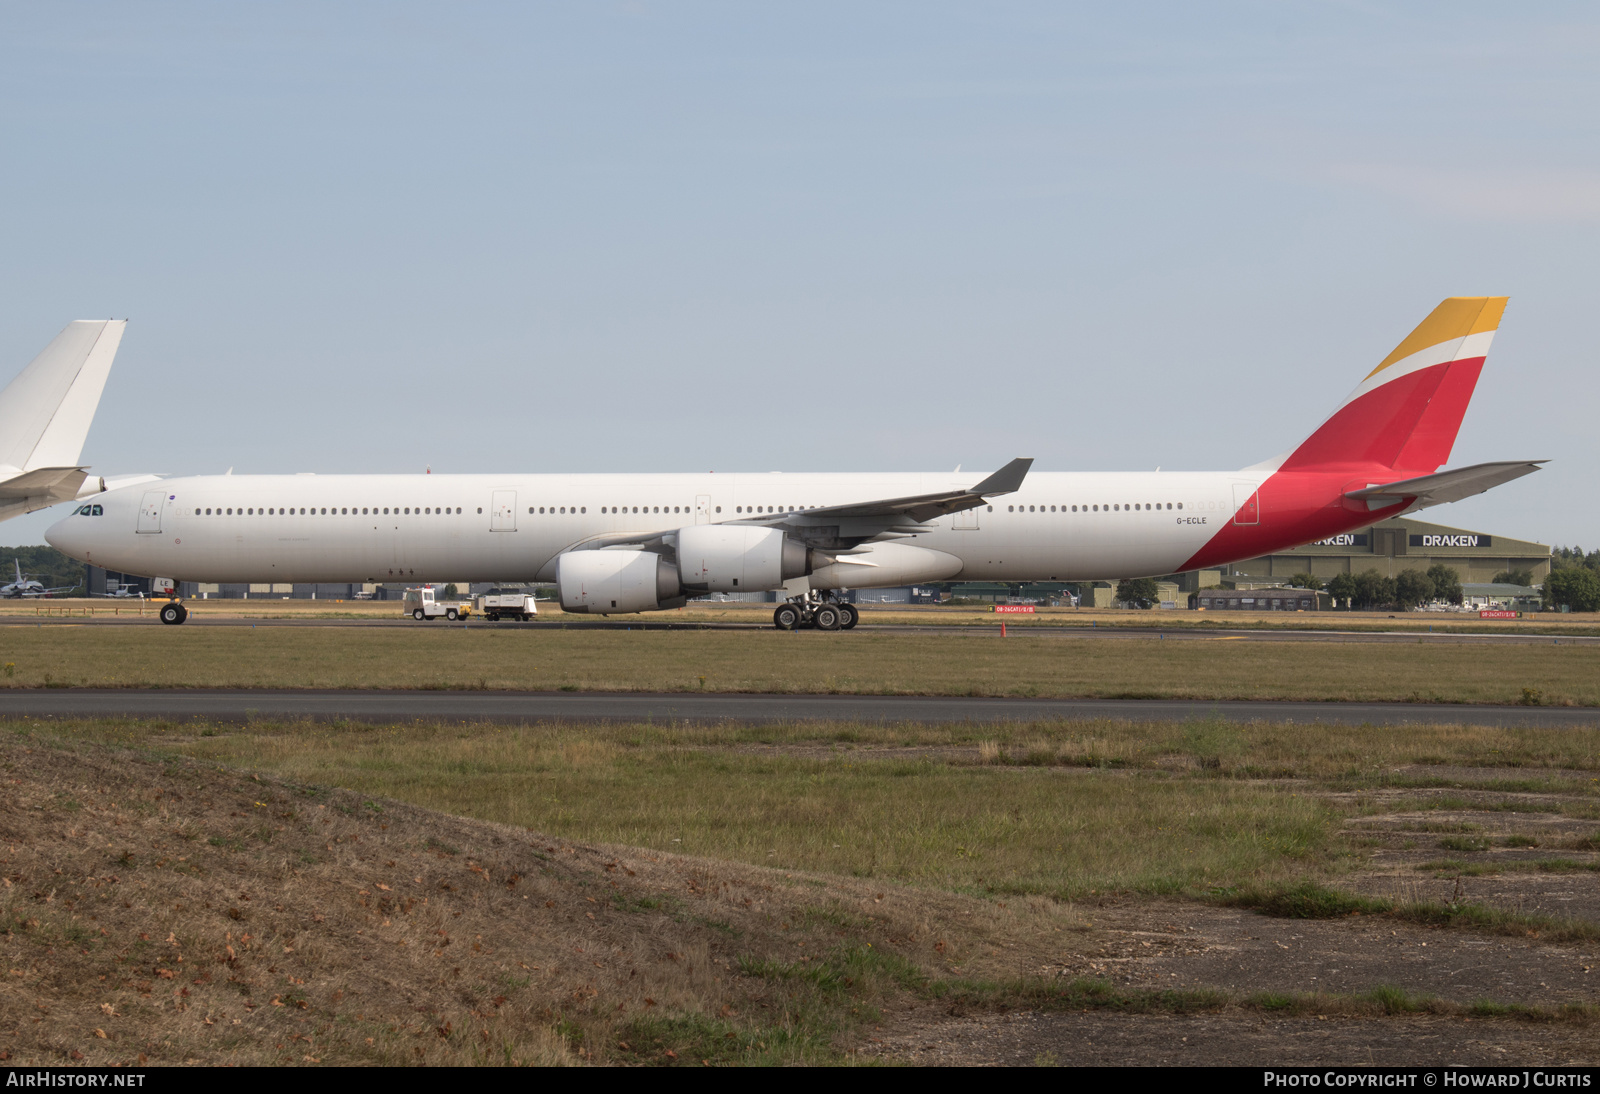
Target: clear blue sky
730	236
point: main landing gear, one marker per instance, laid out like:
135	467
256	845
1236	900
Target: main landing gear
813	611
173	612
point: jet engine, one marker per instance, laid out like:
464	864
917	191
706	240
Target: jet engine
618	580
728	558
710	558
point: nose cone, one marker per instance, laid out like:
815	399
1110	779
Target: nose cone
69	537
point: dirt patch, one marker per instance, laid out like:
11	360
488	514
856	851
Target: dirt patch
1182	945
1561	895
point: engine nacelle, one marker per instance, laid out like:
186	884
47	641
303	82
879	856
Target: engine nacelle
729	558
881	565
601	582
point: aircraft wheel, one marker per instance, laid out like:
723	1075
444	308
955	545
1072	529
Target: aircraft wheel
851	616
451	615
786	618
173	613
826	618
417	615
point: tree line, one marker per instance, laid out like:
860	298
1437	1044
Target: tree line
1406	590
1574	581
43	564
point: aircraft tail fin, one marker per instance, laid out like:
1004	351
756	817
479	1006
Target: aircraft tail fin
45	412
1405	414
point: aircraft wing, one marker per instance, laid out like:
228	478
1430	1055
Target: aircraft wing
1446	486
922	507
912	509
841	527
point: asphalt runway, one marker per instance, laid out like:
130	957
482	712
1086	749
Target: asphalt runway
1174	634
534	707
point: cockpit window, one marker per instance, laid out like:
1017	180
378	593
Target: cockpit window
99	511
89	511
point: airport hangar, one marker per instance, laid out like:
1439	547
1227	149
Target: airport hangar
1389	547
1394	546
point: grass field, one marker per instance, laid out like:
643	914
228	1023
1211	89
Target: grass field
1058	809
446	657
776	894
872	614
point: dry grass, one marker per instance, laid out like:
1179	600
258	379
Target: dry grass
770	661
168	912
960	827
1066	809
733	894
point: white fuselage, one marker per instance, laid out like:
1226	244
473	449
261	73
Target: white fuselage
377	528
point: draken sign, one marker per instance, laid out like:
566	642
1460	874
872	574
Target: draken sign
1452	541
1349	539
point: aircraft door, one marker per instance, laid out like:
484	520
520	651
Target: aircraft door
1246	505
503	514
702	509
966	520
150	510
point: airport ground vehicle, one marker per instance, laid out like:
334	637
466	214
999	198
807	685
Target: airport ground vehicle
497	604
618	543
421	604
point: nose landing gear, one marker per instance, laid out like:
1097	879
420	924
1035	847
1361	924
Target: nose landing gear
173	612
813	611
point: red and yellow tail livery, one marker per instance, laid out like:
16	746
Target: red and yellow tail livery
1405	414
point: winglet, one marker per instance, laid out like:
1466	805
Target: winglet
1006	480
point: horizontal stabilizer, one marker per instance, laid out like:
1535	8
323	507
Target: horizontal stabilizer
1446	486
61	483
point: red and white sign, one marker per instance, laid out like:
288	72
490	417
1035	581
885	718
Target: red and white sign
1489	613
1018	609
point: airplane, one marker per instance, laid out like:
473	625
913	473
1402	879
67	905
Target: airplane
26	586
44	418
615	543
